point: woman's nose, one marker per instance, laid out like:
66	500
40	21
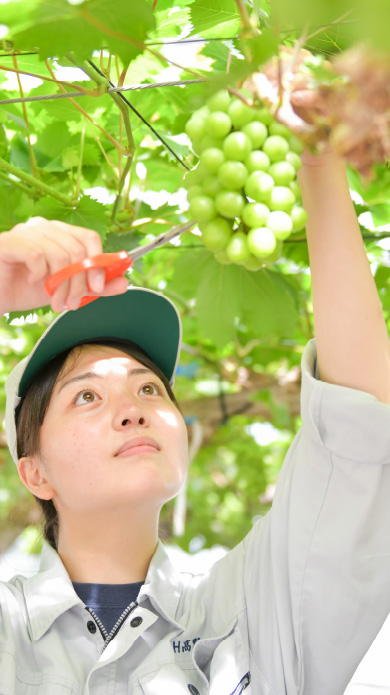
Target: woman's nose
140	421
130	412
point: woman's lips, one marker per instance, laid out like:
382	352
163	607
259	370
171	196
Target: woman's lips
138	445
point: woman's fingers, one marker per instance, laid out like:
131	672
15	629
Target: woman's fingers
65	244
33	251
117	285
92	280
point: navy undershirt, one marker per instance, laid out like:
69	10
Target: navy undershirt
108	601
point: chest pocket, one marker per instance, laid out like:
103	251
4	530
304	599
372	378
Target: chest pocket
15	680
225	663
175	680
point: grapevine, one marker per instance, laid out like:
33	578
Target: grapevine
244	192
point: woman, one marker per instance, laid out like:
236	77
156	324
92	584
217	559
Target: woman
98	438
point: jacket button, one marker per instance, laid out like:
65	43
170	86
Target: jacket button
91	626
136	621
193	690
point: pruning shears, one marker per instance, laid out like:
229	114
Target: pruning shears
114	264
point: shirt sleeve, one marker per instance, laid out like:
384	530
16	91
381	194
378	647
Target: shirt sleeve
317	567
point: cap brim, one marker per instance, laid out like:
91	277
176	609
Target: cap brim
141	316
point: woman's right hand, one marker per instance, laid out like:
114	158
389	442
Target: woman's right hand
30	252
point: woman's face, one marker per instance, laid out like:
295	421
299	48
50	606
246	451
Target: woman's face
112	439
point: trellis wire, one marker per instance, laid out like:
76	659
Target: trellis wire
168	147
169	42
68	95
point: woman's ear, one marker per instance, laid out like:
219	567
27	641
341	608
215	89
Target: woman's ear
32	476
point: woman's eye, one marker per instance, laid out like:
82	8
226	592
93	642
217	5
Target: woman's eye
85	397
150	389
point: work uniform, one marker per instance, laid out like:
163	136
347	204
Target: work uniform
291	610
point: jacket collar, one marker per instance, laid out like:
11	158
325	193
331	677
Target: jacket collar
49	593
163	585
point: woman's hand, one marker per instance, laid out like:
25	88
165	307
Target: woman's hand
30	252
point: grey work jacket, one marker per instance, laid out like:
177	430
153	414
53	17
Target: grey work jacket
291	610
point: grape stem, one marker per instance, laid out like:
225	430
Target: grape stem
245	20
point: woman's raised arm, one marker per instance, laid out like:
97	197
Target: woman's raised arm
352	341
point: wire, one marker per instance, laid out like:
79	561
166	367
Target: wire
151	43
168	147
179	41
68	95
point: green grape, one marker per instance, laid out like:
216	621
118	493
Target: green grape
222	258
275	255
239	113
202	112
202	208
252	263
260	157
280	223
295	145
276	148
257	133
229	203
196	128
299	218
210	141
255	214
219	101
261	242
194	191
282	173
211	186
212	158
257	161
259	186
281	198
263	115
193	177
294	159
294	185
216	234
232	175
219	124
196	146
279	129
237	249
237	146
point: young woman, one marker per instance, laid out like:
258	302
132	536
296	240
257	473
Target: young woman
98	438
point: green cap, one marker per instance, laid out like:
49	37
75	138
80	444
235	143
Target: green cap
142	316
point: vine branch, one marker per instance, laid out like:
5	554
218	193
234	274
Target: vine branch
45	78
120	188
85	114
245	19
43	188
17	184
126	101
25	114
97	76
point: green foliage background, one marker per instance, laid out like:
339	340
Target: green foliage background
55	161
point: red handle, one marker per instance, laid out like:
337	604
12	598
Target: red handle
115	264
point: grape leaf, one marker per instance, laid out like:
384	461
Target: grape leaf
88	213
216	18
170	21
264	301
162	176
58	27
9	199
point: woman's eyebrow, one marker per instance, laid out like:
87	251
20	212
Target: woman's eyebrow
94	375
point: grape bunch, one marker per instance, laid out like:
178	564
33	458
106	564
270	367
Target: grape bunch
243	193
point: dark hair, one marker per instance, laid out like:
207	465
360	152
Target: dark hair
31	411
